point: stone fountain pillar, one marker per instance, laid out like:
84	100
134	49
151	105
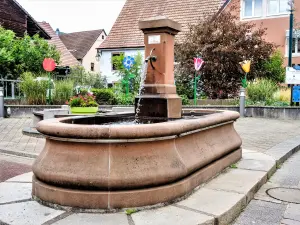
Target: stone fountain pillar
159	98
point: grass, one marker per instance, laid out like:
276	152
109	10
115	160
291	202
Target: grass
233	166
130	211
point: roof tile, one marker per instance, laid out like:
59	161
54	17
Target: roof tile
125	31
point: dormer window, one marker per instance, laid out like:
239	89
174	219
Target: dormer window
263	8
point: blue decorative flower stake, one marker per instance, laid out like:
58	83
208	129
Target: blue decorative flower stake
128	62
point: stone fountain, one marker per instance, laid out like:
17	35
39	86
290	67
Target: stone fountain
94	162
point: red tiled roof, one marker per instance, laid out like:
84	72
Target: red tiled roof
66	58
79	43
125	32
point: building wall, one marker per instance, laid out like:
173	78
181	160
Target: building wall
276	27
90	57
106	65
12	18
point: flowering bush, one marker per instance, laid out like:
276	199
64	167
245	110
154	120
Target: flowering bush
87	100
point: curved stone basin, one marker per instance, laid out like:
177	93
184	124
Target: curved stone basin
121	166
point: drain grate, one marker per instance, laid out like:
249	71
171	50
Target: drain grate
291	195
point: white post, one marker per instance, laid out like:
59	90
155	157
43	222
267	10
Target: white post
1	102
242	102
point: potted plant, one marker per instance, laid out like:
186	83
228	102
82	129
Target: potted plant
83	104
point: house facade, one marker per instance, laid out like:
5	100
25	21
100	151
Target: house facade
273	15
14	17
83	46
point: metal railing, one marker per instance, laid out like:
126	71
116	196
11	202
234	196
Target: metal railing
11	88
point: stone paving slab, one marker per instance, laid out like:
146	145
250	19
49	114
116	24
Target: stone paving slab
292	212
10	192
26	178
171	215
245	182
221	204
27	213
94	219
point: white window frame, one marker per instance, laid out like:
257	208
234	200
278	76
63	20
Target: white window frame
112	55
297	53
265	9
278	9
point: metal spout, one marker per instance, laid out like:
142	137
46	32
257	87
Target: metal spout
151	58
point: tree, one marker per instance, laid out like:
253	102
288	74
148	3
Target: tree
222	42
19	55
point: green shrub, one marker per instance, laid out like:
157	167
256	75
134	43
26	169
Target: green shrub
63	91
105	96
122	99
274	67
185	100
261	90
35	91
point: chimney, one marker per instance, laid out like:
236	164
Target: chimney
57	31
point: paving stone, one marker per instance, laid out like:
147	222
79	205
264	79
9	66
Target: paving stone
240	181
293	212
26	177
289	222
252	164
261	213
225	205
262	195
10	192
257	156
171	215
94	219
27	213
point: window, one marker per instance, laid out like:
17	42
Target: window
276	7
92	66
263	8
103	37
114	54
295	46
253	8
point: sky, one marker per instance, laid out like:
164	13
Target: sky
75	15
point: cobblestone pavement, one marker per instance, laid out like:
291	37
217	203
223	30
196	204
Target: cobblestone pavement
12	139
257	134
262	134
264	210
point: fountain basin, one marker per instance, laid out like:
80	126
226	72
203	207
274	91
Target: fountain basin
88	165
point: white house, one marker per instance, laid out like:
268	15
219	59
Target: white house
125	36
83	45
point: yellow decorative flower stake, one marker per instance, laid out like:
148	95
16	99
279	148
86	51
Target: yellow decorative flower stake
246	67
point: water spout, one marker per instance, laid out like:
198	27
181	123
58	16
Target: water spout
151	58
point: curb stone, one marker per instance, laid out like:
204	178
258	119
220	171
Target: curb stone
219	201
18	153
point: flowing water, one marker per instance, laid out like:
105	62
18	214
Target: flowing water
141	90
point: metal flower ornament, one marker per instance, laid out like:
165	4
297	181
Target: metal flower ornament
49	65
128	63
198	63
246	65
